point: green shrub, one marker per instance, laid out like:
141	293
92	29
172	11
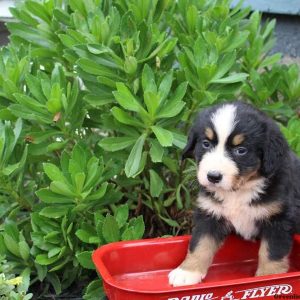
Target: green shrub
11	287
95	100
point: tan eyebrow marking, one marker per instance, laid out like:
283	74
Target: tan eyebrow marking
209	133
238	139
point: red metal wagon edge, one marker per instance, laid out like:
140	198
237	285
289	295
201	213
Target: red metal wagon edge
107	278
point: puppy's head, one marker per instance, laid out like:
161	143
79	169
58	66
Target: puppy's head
233	144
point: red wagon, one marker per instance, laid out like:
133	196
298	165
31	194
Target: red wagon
137	270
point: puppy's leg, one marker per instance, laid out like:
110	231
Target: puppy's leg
195	266
274	250
207	237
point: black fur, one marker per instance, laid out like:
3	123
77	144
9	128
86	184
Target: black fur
208	225
268	152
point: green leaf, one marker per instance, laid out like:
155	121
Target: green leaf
44	260
79	157
123	117
55	282
116	143
35	87
270	60
79	181
142	163
164	136
179	140
134	158
166	47
225	64
8	170
93	68
126	99
96	100
56	146
156	184
11	245
61	188
173	106
53	172
54	104
99	193
54	251
11	229
2	246
87	237
46	87
237	77
165	85
24	250
62	16
85	259
49	197
38	10
94	290
148	80
152	101
130	65
171	110
128	234
121	215
41	271
55	212
238	40
23	16
53	237
191	17
110	229
139	227
27	113
23	287
30	103
93	173
156	151
170	222
32	35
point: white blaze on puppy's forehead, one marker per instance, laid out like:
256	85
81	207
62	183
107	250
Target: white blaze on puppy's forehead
217	159
224	122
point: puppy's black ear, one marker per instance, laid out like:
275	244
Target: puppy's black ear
188	151
275	148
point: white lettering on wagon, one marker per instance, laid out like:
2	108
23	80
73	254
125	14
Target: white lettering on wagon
259	292
266	291
196	297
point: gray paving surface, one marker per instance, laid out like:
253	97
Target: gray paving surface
3	34
287	34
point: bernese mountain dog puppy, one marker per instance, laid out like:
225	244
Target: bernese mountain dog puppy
249	185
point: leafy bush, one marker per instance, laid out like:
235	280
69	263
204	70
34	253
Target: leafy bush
12	287
95	100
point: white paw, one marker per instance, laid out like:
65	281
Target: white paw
180	277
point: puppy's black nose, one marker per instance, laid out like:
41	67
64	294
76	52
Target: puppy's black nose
214	176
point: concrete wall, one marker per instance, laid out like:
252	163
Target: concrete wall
290	7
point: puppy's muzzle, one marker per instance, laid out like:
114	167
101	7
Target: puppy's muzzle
214	176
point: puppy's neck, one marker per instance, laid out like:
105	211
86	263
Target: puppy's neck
248	192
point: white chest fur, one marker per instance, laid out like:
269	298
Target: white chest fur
235	207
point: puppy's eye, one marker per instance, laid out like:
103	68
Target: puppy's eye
240	151
206	144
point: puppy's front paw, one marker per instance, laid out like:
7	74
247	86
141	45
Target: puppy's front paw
180	277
